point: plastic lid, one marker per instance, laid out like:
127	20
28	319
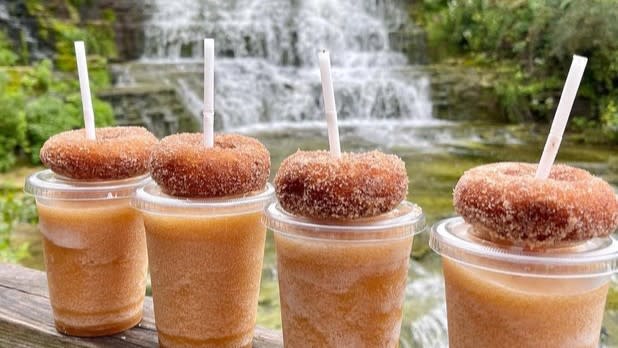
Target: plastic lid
452	238
48	185
151	199
405	220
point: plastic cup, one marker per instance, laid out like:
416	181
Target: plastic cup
95	252
505	296
342	284
205	264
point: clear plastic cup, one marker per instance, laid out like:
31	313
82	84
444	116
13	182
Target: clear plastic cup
205	264
342	284
95	252
505	296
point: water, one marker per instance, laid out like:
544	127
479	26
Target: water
16	25
266	71
448	149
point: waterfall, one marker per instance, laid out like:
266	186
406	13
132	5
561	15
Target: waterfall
266	71
19	28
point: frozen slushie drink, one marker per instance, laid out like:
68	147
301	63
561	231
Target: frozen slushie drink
94	242
343	235
205	238
529	262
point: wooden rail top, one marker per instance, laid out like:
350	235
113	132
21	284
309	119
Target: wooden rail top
26	318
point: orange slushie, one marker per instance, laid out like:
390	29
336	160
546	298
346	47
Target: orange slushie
95	253
508	296
206	263
342	284
488	309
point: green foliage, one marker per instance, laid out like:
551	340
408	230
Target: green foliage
12	128
7	56
38	101
64	35
59	25
101	39
535	40
609	119
38	79
46	116
589	28
14	209
525	98
36	105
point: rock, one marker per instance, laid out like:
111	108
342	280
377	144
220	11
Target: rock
155	107
411	41
128	26
462	93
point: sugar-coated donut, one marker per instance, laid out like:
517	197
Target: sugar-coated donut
184	167
317	185
505	202
116	153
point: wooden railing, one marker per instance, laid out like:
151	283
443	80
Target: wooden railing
26	318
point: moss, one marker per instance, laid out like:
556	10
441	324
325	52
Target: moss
7	56
612	163
64	36
59	25
12	129
102	39
108	15
420	246
269	314
612	299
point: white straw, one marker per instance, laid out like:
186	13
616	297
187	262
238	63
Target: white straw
561	117
209	93
329	103
84	87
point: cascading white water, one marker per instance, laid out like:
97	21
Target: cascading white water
267	70
267	84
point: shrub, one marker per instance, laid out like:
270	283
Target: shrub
7	56
535	39
14	209
38	103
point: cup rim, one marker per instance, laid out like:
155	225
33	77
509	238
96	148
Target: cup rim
450	238
46	184
150	198
406	215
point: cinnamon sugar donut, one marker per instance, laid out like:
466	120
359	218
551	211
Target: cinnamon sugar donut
183	166
317	185
505	202
116	153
